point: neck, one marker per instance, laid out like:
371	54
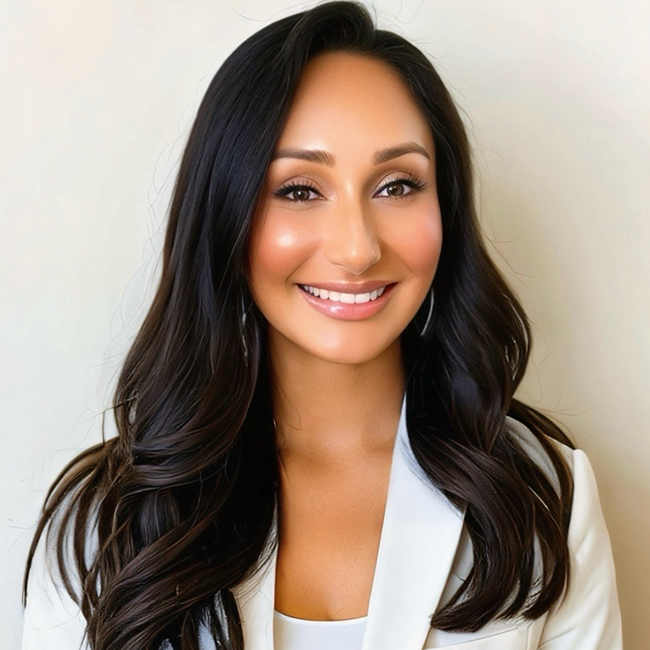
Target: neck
327	411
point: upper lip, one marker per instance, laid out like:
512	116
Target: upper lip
349	287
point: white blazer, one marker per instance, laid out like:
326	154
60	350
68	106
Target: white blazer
424	554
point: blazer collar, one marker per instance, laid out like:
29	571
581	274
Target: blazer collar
419	537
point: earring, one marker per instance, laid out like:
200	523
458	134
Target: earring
426	324
244	311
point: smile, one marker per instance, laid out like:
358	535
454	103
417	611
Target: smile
338	296
347	306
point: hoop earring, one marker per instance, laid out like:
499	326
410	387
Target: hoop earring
426	324
244	312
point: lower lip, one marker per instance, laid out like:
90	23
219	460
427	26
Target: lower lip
348	311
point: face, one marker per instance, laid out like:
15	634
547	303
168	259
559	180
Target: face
358	222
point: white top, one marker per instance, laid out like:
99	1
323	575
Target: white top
291	633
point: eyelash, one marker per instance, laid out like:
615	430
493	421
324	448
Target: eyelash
416	184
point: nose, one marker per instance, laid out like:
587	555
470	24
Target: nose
351	240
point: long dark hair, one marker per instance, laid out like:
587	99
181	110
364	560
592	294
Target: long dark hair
181	502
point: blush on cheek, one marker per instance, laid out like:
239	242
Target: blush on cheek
420	244
277	250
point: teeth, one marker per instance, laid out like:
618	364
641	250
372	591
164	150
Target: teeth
337	296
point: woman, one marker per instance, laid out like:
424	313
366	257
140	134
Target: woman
318	442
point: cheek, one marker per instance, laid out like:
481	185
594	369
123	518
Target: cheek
277	249
418	242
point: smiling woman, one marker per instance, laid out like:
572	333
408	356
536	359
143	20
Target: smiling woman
349	206
318	441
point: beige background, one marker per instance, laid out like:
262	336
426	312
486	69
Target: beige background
97	99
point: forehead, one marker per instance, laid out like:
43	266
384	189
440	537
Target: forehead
348	103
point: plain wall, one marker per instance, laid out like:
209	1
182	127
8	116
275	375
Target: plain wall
97	100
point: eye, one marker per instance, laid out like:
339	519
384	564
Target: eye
302	190
415	183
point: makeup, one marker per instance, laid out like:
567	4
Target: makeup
348	311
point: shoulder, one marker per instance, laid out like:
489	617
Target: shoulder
588	616
52	619
531	444
586	501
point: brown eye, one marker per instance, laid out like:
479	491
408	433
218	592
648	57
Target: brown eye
396	186
300	190
393	187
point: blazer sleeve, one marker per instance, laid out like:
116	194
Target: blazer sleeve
589	616
51	619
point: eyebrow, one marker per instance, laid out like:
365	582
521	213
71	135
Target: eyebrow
326	158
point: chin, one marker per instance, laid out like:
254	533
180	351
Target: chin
348	351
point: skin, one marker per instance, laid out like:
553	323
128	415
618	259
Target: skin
338	384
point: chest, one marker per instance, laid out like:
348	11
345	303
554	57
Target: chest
329	532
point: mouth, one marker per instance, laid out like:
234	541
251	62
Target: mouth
347	306
349	298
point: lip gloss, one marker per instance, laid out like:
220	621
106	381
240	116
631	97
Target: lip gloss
348	311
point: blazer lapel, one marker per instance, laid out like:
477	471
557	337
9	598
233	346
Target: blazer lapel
256	600
419	537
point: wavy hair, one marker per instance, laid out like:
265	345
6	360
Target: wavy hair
181	502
